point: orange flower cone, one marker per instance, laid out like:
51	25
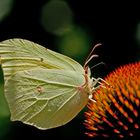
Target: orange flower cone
117	108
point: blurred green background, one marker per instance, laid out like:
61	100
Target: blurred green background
71	27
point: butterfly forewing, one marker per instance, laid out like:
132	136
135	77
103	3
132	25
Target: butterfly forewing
18	55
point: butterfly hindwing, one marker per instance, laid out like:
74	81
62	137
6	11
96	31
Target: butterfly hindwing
45	98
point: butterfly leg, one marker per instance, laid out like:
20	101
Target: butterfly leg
90	98
96	81
99	81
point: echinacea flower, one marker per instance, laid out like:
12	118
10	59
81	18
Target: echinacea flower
117	108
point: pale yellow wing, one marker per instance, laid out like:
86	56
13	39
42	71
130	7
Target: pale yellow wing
45	98
19	54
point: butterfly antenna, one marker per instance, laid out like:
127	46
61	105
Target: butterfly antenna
97	65
91	56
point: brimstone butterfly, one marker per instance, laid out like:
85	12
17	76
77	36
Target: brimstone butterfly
43	88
